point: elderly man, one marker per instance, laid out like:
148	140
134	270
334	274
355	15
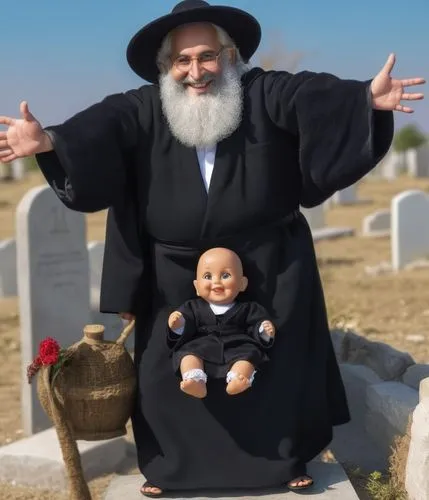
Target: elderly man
214	153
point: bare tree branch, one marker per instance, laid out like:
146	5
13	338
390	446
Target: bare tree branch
277	57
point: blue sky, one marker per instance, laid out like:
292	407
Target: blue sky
62	56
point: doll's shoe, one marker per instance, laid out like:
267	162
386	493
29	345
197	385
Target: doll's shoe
239	383
196	388
146	490
295	486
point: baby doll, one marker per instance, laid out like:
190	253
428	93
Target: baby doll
215	334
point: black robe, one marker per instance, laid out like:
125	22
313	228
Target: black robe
220	340
302	137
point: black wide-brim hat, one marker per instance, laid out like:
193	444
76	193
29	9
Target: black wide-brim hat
242	27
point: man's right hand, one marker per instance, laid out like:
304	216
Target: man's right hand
23	137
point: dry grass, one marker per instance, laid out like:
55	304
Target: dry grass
398	461
385	308
388	485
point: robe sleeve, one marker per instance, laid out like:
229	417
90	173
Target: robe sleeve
340	137
88	166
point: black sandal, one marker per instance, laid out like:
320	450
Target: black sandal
150	494
304	477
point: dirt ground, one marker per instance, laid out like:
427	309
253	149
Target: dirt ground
386	308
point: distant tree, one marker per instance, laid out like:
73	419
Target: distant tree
277	57
408	137
31	163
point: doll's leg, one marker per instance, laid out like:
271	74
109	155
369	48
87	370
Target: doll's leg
194	378
239	377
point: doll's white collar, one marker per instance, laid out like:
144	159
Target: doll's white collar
220	308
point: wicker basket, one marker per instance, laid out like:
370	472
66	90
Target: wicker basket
95	389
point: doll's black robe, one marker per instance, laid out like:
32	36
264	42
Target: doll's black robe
220	340
302	137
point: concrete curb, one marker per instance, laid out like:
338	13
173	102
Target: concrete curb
331	483
37	461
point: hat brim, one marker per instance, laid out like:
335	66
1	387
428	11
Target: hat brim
142	50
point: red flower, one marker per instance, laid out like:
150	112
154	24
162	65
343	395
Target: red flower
49	351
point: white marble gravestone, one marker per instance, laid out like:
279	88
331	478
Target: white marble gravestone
418	161
417	477
53	284
346	196
392	165
8	286
96	255
19	168
377	223
315	216
112	323
410	228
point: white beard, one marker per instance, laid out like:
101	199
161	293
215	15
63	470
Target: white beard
203	120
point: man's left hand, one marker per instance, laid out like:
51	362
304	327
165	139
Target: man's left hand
127	316
387	93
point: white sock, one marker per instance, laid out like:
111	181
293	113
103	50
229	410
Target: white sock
232	375
196	374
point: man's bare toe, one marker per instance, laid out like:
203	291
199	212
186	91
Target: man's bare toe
300	482
150	490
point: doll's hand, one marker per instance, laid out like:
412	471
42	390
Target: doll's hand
269	328
176	320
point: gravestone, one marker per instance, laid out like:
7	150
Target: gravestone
53	284
316	220
377	223
416	474
346	196
19	168
8	284
112	323
96	254
418	161
393	165
315	216
410	228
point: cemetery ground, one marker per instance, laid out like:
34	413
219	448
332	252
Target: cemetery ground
390	308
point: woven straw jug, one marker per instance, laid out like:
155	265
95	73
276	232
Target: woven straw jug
96	387
90	398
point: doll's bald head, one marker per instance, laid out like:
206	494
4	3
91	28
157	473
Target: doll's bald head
220	276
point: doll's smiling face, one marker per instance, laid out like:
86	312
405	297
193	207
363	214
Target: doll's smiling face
219	276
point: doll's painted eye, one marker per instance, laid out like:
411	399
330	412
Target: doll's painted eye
225	276
207	276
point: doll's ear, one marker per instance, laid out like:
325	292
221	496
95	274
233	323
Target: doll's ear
244	283
196	287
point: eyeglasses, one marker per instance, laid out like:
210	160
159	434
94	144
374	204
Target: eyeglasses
208	60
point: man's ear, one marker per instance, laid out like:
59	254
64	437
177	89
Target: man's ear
196	288
232	55
244	283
